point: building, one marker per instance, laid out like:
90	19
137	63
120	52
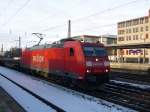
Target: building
108	39
134	31
105	39
87	38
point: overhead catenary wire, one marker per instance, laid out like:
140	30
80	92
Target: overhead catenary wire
62	12
8	5
106	10
95	14
14	15
87	29
54	27
92	15
96	27
85	17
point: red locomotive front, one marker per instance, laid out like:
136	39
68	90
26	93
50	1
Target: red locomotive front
97	63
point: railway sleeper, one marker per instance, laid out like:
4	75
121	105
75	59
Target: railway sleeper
137	104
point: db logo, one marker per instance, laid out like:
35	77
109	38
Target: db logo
38	58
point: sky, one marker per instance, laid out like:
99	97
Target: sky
50	17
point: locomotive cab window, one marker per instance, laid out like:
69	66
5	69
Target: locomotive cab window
94	51
71	52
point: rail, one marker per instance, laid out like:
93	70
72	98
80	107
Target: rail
58	109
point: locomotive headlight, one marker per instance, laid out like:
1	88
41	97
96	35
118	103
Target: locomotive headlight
88	63
88	71
106	70
106	63
16	58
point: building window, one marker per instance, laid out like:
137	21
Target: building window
146	36
128	23
137	29
141	29
133	23
133	37
120	25
129	37
136	22
146	28
123	24
129	30
146	19
141	20
133	30
136	37
121	31
120	38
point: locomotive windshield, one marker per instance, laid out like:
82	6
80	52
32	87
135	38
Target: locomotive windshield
94	51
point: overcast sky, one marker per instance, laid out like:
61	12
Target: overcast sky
92	17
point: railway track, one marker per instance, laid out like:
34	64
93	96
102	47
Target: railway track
125	95
58	109
129	96
134	77
85	97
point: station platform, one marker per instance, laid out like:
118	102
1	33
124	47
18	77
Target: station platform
8	104
130	67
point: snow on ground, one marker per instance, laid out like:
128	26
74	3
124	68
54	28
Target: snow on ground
66	100
143	86
27	101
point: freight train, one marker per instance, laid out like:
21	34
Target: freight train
69	58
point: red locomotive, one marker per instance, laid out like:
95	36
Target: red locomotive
71	59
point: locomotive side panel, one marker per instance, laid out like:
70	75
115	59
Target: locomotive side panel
74	60
56	60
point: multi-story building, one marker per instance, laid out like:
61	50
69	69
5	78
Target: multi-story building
134	31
